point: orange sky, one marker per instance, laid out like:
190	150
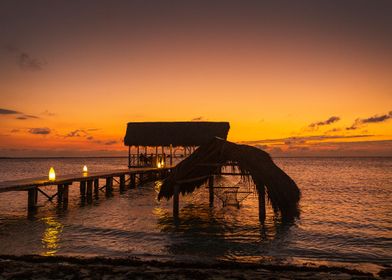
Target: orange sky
80	73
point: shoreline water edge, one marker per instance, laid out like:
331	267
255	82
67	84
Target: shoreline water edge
60	267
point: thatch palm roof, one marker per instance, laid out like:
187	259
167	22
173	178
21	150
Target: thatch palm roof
174	133
269	179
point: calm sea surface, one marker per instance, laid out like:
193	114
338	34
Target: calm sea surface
346	218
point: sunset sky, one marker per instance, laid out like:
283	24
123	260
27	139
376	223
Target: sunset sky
296	78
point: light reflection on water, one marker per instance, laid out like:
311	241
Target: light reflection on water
51	236
345	218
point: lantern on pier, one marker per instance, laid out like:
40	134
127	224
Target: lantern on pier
52	174
85	170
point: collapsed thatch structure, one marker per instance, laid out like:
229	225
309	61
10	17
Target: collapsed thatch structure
270	181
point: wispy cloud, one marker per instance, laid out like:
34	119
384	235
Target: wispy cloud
40	130
198	119
110	142
8	112
329	121
303	139
48	113
25	61
19	115
77	133
373	119
26	117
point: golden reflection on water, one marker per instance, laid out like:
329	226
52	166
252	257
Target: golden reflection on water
51	236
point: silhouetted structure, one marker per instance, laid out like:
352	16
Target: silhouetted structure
269	180
162	137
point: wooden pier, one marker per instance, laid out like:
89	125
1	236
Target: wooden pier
89	183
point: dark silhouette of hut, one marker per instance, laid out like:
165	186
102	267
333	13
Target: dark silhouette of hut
166	135
200	167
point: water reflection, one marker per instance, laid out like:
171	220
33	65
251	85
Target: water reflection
220	234
51	236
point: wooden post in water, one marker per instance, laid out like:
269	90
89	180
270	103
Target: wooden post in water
211	190
171	155
132	181
176	201
122	182
129	156
96	186
65	194
89	190
32	196
138	158
83	189
60	191
261	194
109	185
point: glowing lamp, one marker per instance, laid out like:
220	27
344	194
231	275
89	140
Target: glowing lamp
85	169
52	174
159	164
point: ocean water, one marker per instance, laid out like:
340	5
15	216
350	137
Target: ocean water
345	220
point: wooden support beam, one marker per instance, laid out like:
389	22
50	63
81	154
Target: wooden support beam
176	201
60	192
122	182
138	157
132	181
96	186
90	189
109	185
261	194
129	156
65	194
211	190
82	188
32	195
171	155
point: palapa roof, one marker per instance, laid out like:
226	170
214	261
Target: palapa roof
269	180
174	133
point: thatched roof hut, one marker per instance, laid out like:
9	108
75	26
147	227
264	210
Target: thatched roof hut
166	135
174	133
269	180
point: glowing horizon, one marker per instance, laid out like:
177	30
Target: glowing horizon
71	77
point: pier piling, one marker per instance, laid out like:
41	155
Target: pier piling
109	185
122	182
83	189
32	198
